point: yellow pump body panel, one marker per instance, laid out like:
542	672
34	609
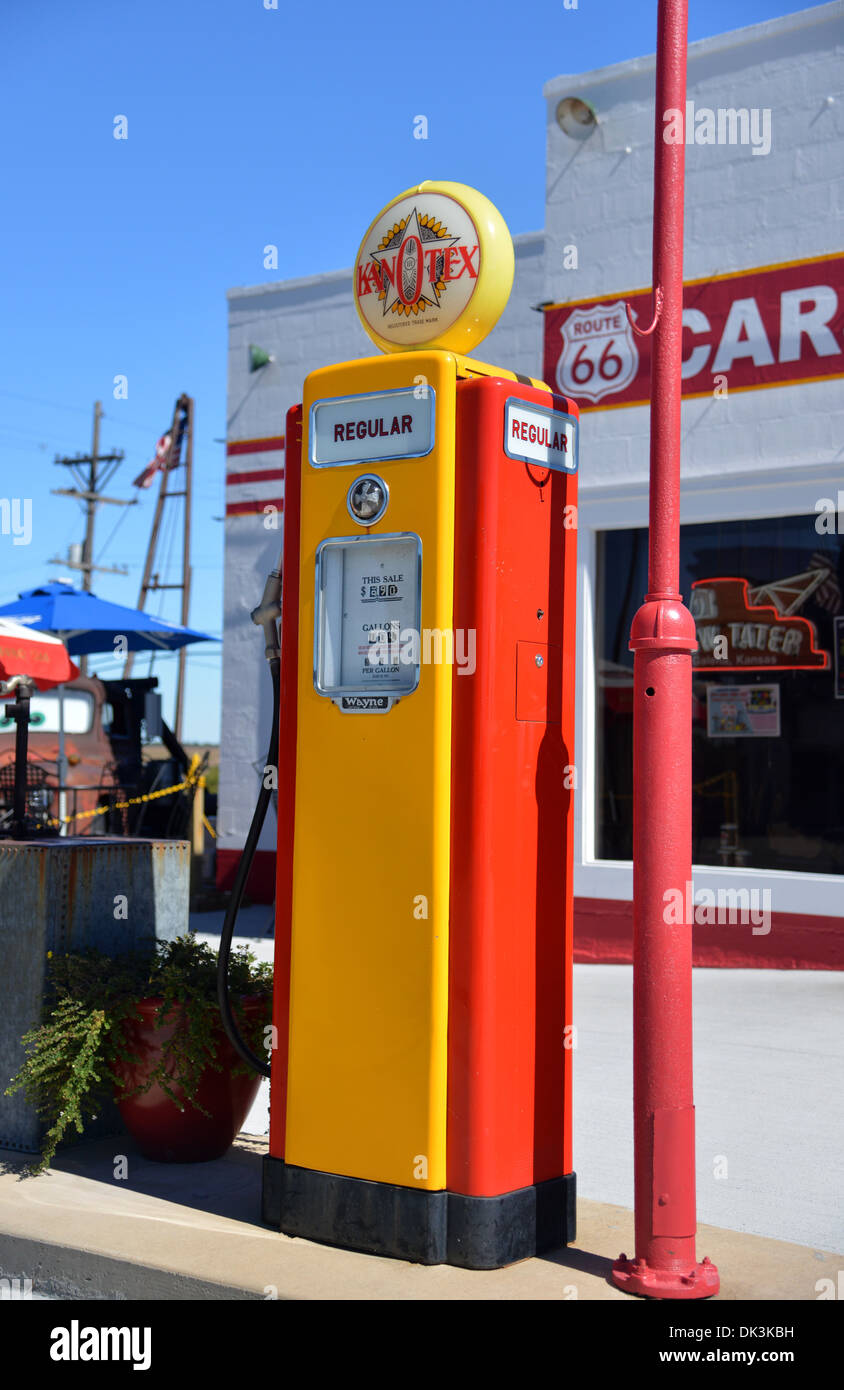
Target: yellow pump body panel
376	789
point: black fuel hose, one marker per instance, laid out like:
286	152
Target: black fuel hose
238	1043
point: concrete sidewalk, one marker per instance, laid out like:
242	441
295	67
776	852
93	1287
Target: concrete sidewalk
769	1051
193	1231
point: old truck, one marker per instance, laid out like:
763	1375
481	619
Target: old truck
108	725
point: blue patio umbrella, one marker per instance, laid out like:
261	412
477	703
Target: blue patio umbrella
87	624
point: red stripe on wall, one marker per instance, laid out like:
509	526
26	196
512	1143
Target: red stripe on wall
260	885
603	934
603	929
256	475
254	508
254	446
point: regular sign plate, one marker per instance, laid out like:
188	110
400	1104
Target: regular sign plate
372	426
537	434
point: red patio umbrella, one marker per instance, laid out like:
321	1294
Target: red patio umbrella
24	652
28	658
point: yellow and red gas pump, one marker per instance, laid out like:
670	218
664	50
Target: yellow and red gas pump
421	1074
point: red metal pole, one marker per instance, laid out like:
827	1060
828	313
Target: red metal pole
662	638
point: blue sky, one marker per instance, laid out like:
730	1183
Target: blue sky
246	126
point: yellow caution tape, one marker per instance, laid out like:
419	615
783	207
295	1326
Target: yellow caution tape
191	780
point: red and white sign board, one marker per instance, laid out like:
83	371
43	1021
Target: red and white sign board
774	326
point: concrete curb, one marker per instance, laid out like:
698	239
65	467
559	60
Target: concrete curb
67	1272
193	1232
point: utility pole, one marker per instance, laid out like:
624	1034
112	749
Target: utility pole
91	504
86	471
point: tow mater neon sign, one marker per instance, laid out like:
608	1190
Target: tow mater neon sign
735	634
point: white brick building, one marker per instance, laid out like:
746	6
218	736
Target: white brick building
763	238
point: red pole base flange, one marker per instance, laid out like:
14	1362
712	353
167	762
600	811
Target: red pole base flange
637	1276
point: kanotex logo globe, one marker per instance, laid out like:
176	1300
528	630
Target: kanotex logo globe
418	269
434	270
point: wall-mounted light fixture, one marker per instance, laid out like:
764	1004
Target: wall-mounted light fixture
576	118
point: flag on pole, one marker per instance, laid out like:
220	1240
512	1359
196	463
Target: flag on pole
157	463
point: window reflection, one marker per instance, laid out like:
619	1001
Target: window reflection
768	691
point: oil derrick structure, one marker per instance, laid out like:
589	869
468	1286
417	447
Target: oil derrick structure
173	451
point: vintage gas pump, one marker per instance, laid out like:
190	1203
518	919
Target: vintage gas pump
421	1074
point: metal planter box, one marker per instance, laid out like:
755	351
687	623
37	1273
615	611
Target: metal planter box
62	895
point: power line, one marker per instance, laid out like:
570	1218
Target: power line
39	400
115	529
76	409
24	439
147	429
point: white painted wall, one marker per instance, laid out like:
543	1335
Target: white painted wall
757	453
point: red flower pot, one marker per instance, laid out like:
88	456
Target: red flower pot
163	1131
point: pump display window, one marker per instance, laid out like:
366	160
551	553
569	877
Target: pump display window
768	690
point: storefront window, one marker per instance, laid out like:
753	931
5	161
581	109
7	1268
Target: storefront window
768	691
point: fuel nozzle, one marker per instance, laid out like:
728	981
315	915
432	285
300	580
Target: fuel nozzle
268	612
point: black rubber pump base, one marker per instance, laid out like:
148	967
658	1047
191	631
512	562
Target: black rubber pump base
425	1227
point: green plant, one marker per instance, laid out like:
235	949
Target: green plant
68	1070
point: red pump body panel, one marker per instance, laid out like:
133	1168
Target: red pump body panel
510	932
286	778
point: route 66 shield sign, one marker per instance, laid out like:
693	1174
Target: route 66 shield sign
599	355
